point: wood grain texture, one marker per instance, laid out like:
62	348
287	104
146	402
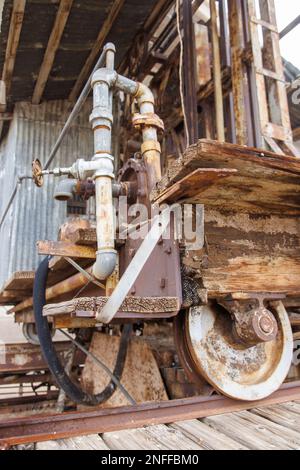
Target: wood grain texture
140	363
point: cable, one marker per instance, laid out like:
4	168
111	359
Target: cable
180	73
84	272
20	179
102	365
73	390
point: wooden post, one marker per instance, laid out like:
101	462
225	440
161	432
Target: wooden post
237	69
189	72
217	73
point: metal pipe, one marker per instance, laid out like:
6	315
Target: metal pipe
78	106
64	287
102	119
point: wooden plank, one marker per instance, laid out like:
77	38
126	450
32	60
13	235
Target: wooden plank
132	439
193	184
20	280
294	408
65	249
273	145
264	24
92	442
139	363
206	436
265	183
172	438
159	437
53	44
279	416
86	237
258	64
99	43
202	54
244	432
88	306
289	436
15	28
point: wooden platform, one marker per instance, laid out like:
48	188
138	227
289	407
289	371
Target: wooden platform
270	428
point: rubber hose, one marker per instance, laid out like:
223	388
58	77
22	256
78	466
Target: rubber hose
72	390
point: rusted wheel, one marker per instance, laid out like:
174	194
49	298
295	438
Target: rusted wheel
244	373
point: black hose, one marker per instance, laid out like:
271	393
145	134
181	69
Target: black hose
72	390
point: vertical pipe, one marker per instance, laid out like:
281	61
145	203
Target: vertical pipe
102	119
217	73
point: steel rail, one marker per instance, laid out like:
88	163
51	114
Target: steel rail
72	424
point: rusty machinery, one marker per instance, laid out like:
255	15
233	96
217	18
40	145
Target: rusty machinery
241	346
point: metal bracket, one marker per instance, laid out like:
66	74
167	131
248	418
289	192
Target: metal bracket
132	272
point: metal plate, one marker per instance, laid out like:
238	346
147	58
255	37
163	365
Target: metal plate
232	369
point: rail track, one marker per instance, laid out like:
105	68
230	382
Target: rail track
73	424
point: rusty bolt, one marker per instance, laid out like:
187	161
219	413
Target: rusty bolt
266	324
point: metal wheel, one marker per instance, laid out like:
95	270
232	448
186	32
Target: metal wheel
233	369
30	333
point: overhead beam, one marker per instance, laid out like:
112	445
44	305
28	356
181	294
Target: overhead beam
99	43
53	44
12	44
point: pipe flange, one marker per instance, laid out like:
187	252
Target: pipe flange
148	120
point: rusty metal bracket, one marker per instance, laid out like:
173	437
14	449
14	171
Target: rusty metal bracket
148	119
37	175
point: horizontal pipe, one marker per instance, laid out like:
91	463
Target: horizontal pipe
64	287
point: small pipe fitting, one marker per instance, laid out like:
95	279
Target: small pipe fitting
65	190
105	263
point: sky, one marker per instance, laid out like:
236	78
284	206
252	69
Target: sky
286	11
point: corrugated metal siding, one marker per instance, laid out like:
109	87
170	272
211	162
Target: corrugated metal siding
34	214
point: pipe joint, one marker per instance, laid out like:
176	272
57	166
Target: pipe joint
104	75
144	95
65	190
100	117
104	165
104	266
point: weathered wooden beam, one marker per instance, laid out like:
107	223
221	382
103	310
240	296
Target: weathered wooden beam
219	107
53	44
237	67
65	249
12	44
89	306
99	43
189	73
198	181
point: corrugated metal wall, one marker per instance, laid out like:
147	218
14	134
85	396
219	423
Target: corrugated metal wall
35	215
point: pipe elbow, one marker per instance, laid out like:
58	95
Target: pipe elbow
144	94
106	261
65	189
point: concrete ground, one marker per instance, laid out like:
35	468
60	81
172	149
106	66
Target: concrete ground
11	332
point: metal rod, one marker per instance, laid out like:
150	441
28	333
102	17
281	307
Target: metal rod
289	27
77	108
